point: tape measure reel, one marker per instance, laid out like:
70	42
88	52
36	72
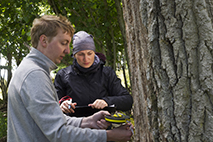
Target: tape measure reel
117	118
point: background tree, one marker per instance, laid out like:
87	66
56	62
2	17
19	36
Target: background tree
170	47
100	18
15	22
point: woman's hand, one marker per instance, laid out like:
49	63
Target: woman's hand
65	106
98	104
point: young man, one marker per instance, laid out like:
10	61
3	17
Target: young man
33	110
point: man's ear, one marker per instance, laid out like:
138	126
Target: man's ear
43	40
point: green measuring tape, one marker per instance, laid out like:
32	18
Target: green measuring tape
117	118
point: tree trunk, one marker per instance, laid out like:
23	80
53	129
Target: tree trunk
124	74
114	47
170	50
123	30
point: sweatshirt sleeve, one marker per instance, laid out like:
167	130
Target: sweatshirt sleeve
118	95
40	99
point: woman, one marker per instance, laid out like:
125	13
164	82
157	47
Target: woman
88	82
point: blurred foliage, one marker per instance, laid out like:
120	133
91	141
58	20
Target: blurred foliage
15	20
99	18
3	124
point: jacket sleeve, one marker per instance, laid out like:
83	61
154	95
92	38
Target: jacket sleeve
40	100
60	84
117	94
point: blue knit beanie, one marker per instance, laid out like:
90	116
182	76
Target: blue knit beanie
82	41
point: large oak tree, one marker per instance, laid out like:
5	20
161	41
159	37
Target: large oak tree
170	50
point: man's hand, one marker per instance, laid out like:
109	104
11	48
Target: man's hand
98	104
121	133
65	106
96	121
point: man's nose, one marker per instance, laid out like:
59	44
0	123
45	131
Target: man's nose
67	50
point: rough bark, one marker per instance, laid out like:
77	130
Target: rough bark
170	50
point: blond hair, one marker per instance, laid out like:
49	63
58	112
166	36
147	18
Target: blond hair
49	26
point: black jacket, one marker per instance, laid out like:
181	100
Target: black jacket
85	89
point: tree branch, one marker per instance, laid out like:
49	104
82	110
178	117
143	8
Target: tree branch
54	7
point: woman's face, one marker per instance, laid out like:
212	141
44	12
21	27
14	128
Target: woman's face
85	58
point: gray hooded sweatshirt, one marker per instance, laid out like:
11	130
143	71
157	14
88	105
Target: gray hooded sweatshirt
34	114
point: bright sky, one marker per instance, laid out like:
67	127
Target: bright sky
2	63
3	72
